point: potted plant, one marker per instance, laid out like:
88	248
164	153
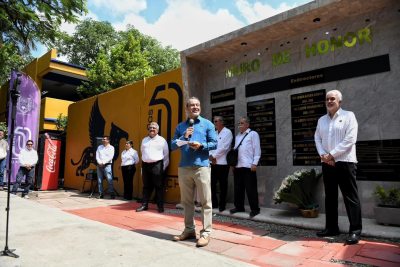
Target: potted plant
388	209
298	189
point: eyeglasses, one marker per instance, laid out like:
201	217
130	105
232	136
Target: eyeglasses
29	144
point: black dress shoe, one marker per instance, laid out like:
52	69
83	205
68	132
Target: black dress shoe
141	208
160	209
112	196
221	209
234	210
253	213
352	239
328	232
101	196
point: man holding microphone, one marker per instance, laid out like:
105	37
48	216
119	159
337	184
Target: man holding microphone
195	137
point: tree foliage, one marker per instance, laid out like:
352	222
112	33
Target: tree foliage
115	58
10	59
125	64
89	39
62	122
23	23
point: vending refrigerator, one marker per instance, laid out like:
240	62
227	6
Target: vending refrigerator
48	172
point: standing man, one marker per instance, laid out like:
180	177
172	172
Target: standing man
3	157
104	157
195	137
244	175
335	139
155	160
28	158
219	166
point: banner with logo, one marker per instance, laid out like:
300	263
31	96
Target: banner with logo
26	125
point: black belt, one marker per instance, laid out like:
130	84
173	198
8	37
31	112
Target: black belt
151	163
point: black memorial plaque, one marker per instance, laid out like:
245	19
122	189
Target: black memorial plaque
262	117
339	72
223	95
378	160
307	108
228	113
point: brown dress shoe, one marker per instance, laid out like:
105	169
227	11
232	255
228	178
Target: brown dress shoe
185	236
203	241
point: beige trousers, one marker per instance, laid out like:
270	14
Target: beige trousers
190	179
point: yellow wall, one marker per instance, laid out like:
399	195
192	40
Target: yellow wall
50	108
36	70
129	108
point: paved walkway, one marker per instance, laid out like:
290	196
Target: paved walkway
44	235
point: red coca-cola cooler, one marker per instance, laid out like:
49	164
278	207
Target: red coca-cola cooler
48	168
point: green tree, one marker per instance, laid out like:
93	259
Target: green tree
89	39
10	59
125	64
161	59
23	23
62	123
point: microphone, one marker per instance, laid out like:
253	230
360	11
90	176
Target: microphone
191	122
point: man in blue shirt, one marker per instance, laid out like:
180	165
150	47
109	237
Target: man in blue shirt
195	137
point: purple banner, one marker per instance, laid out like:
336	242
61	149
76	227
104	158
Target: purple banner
26	125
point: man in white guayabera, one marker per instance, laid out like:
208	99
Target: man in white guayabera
28	158
335	139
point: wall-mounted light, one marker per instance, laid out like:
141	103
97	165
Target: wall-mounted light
245	55
316	20
226	60
243	43
258	54
288	42
326	33
334	29
281	45
367	20
266	49
305	38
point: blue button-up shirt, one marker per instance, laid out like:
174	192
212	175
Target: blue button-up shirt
204	133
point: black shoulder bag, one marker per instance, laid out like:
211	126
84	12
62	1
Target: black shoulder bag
233	154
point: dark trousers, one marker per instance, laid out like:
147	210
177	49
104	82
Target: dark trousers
22	171
342	175
245	181
219	174
152	175
128	172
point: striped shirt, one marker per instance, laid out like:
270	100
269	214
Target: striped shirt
337	136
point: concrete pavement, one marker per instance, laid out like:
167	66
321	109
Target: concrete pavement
47	236
109	232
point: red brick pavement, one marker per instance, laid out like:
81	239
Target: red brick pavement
246	244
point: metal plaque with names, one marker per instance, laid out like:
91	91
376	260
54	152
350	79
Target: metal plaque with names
222	95
262	118
306	109
228	113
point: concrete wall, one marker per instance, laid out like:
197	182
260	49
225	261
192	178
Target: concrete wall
373	98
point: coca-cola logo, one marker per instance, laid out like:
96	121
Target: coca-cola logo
51	157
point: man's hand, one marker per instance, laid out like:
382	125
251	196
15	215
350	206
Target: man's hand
194	145
213	160
253	167
189	132
328	159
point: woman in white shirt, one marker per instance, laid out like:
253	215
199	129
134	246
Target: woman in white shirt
129	157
